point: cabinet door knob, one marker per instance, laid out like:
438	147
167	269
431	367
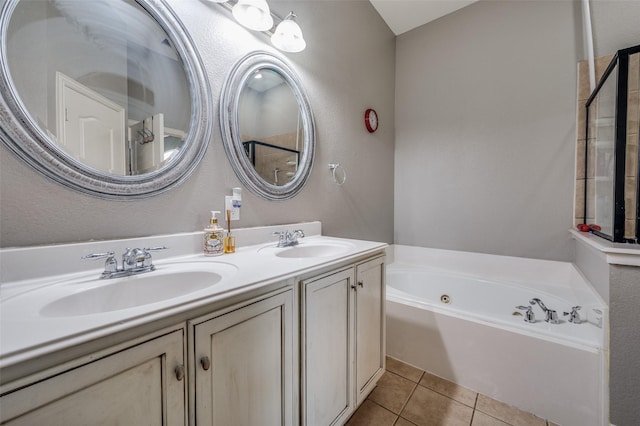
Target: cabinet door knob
361	284
354	287
205	362
180	372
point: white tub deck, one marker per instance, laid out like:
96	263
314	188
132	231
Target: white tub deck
555	371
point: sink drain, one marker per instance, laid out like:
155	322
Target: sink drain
445	299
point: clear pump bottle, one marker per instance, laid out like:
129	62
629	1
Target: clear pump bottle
213	237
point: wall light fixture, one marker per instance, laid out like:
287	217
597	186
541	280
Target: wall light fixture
255	15
288	35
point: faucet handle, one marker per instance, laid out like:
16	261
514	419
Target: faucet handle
110	265
574	316
155	248
147	262
529	315
293	238
99	255
282	237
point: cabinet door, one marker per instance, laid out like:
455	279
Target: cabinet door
328	348
136	386
370	325
244	365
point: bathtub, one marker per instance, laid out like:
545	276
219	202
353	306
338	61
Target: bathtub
454	314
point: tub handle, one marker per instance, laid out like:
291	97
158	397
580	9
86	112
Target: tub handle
574	316
529	316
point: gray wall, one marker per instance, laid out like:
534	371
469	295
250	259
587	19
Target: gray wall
624	361
342	78
485	129
615	25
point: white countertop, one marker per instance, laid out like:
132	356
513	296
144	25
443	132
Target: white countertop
26	333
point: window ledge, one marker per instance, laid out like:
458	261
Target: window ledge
614	253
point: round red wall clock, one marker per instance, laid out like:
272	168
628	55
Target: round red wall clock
371	120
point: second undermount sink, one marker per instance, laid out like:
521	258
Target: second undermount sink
309	249
167	282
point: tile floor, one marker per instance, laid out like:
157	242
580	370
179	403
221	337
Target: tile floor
407	396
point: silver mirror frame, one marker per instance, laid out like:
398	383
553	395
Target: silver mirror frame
21	134
230	127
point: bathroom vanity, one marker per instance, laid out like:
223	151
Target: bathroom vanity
284	336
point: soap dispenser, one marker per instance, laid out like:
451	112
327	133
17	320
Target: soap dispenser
213	237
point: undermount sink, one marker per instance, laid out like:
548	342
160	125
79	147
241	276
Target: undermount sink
166	282
309	250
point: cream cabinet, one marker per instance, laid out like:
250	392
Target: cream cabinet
244	363
242	370
370	325
327	348
342	340
139	385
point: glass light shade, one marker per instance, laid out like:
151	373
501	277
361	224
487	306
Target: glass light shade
253	14
288	35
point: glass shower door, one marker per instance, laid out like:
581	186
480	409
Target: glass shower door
601	156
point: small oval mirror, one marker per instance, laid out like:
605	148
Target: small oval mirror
267	126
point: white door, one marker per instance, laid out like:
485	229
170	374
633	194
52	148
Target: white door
147	144
91	128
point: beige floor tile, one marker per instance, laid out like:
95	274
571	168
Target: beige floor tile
482	419
392	392
507	413
405	370
549	423
429	408
450	389
403	422
371	414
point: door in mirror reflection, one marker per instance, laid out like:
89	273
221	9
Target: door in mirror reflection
270	126
90	126
94	74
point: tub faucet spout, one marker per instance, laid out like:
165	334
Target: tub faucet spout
551	315
539	302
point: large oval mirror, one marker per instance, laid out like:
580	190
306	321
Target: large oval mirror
267	126
108	97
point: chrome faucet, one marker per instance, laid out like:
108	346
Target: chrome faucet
528	315
134	261
551	315
574	316
288	238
